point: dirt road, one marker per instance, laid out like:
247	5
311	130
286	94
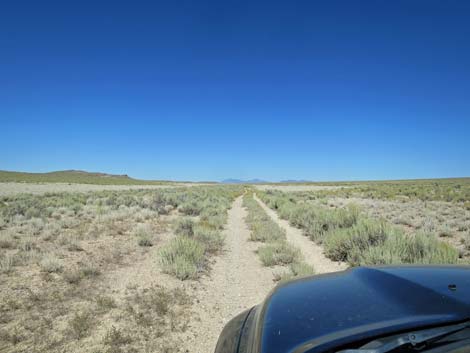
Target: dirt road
312	252
237	282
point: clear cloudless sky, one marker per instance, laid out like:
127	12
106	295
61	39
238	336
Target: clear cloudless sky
207	90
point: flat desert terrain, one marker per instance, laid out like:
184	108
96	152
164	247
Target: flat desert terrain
162	268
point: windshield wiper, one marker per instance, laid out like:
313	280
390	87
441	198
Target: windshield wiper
415	338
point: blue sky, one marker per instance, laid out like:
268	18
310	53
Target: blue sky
206	90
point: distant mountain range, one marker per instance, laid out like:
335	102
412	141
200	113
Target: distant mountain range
239	181
295	181
260	181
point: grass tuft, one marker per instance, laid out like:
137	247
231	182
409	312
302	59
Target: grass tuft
182	257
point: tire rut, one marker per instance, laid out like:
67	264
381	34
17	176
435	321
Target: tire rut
312	252
237	282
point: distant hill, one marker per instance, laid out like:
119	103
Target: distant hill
239	181
73	176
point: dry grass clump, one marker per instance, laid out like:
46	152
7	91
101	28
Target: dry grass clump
345	244
7	261
184	227
399	249
183	257
278	253
143	233
51	264
296	270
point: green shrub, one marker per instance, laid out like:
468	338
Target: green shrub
266	232
278	253
419	249
51	264
211	239
184	227
182	257
191	208
346	244
145	241
297	269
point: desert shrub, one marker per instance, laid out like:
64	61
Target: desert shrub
445	231
105	303
72	276
158	203
143	233
51	231
51	264
7	262
266	232
80	324
401	249
301	269
114	339
297	269
89	270
3	222
190	208
74	244
7	241
345	244
278	253
214	216
212	240
184	226
145	241
182	257
27	243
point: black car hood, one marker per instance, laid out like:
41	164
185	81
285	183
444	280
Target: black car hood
318	313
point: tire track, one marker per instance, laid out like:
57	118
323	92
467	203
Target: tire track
312	252
237	282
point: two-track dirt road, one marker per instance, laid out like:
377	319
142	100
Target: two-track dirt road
238	281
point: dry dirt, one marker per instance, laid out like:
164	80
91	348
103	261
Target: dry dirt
293	187
237	282
7	189
312	252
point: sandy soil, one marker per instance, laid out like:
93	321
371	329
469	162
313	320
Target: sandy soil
312	252
237	282
7	189
292	187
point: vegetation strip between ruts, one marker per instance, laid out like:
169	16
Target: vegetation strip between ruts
276	251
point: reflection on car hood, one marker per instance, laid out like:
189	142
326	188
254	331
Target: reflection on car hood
320	312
